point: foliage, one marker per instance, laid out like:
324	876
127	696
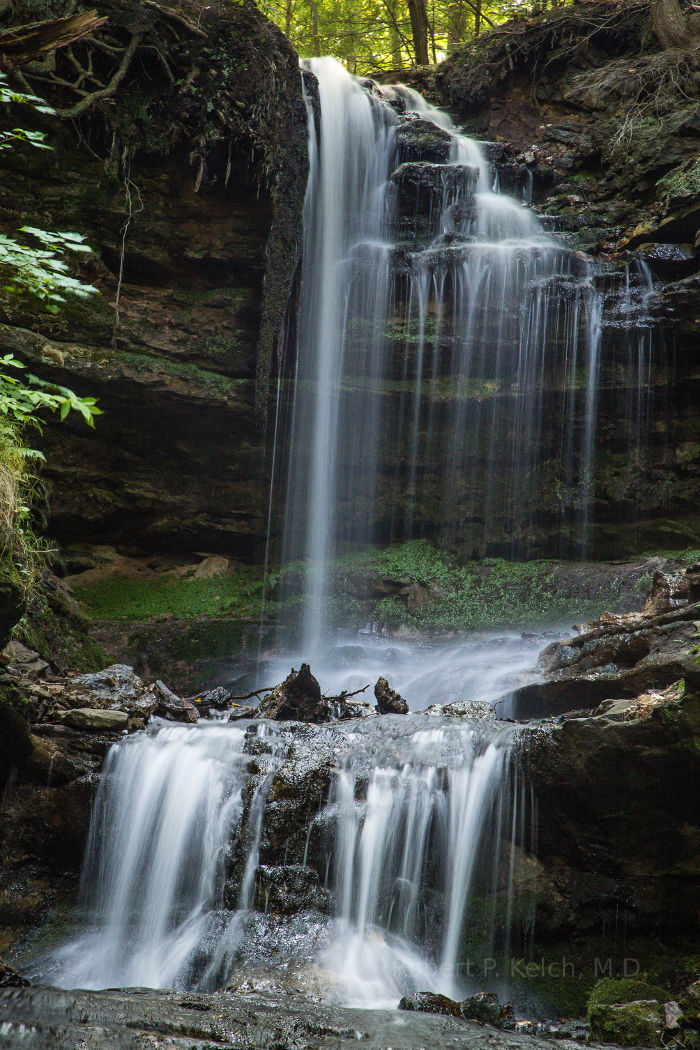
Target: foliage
42	272
371	36
23	398
121	597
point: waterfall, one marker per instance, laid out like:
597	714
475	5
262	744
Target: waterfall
448	357
416	815
406	847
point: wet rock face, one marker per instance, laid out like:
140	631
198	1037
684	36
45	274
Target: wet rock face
421	140
129	1019
289	888
208	266
424	191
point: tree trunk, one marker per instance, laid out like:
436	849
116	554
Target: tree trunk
315	39
477	17
395	40
669	24
288	18
419	28
457	24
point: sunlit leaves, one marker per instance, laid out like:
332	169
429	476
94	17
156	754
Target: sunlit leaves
23	396
41	270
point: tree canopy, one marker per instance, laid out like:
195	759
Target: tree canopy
373	36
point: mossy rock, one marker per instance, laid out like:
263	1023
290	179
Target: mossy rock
611	991
629	1024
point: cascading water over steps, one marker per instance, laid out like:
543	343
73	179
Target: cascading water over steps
448	353
187	843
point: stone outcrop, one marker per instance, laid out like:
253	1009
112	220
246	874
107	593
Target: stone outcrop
389	702
191	201
257	1015
618	657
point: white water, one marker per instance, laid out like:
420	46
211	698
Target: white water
414	808
168	805
493	398
421	825
417	818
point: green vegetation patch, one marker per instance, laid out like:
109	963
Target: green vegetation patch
681	183
121	597
417	586
611	990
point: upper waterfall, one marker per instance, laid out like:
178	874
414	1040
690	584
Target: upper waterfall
448	348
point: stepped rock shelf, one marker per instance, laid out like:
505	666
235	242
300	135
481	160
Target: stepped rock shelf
568	881
332	322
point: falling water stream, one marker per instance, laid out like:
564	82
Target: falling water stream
448	353
415	806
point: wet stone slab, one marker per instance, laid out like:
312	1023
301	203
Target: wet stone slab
134	1019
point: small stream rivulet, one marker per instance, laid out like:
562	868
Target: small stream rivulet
357	859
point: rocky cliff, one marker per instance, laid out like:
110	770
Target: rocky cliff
179	152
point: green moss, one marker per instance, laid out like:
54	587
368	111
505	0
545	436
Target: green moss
53	629
121	597
686	556
213	383
681	183
632	1024
611	990
453	597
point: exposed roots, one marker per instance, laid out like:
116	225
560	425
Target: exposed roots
539	45
649	86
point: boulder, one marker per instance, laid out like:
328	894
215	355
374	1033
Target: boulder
474	710
172	707
95	719
487	1008
430	1003
238	712
117	687
673	1017
638	1023
25	661
389	702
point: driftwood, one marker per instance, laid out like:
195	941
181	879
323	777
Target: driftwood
345	695
33	42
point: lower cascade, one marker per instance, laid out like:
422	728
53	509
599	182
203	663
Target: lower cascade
182	876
